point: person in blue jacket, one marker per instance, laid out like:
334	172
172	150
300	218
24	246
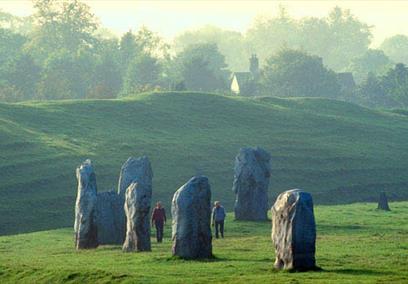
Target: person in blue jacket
218	217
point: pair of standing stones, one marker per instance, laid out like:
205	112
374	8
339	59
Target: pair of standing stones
100	218
293	223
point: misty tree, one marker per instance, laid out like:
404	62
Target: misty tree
128	49
337	38
373	61
202	68
268	35
23	74
396	47
371	93
107	79
349	38
143	74
387	91
18	72
230	43
66	75
21	25
67	25
293	73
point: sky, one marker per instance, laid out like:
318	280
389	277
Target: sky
170	18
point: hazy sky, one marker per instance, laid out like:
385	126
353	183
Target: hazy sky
171	17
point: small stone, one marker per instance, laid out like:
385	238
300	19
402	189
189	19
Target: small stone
383	202
137	207
191	213
294	231
251	180
85	227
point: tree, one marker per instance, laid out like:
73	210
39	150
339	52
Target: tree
201	67
373	61
293	73
107	79
387	91
66	75
349	38
128	49
23	74
396	48
268	35
337	38
395	84
231	44
143	74
18	72
151	43
67	25
371	93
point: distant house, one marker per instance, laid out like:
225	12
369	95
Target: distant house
346	81
245	83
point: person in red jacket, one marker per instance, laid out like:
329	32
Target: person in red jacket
159	220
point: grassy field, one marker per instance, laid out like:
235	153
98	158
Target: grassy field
339	152
356	244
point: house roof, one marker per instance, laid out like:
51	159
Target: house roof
346	80
242	77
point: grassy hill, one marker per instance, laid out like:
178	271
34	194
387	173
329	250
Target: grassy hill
355	244
338	151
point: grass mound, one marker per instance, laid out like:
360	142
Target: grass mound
337	151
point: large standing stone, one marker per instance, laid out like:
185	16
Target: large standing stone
137	207
134	169
85	208
191	213
294	231
109	208
383	202
251	181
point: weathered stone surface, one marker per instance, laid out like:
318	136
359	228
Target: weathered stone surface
85	208
383	202
137	207
109	208
251	181
294	231
191	213
133	169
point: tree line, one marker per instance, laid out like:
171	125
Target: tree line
62	52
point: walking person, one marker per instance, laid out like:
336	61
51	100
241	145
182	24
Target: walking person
218	217
159	220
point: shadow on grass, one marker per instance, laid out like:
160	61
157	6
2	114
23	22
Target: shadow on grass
342	228
351	271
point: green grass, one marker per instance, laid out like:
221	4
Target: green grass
339	152
356	244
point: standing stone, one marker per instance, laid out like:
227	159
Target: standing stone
134	169
85	208
137	207
383	202
294	231
251	181
191	213
109	210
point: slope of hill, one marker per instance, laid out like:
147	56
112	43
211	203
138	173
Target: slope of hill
355	244
338	151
